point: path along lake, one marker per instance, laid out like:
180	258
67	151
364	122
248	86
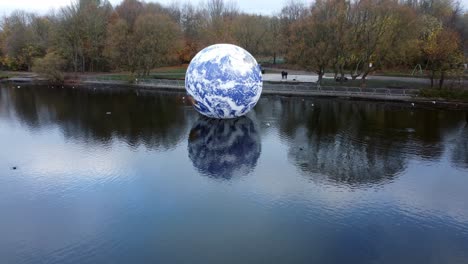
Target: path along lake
126	176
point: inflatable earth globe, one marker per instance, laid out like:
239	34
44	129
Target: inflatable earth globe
224	149
224	80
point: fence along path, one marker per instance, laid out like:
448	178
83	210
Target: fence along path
276	88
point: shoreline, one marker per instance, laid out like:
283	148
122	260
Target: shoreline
279	89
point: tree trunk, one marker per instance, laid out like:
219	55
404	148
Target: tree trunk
341	73
442	77
274	57
432	78
320	73
363	79
75	60
354	75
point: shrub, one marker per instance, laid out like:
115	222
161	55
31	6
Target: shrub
50	66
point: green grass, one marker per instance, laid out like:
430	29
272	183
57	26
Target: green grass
127	77
174	75
4	75
269	60
424	75
450	94
114	77
169	76
402	74
178	70
375	84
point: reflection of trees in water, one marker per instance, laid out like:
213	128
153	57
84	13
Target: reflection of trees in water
224	148
24	105
3	102
155	120
359	142
460	151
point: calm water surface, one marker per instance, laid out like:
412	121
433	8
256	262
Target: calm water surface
119	176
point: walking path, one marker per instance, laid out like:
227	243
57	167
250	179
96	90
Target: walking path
306	89
302	89
306	76
299	88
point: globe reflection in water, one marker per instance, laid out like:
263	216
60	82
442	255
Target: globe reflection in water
224	148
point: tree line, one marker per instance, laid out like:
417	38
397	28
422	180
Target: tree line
345	37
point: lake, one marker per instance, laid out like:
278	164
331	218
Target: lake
126	176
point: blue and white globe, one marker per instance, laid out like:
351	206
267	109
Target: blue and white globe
224	80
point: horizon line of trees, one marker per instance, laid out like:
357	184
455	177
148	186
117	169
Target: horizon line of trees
347	37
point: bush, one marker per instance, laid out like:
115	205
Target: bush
50	66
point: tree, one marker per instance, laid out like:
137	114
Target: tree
274	38
314	34
156	41
219	25
119	46
80	33
192	22
21	43
129	10
95	20
376	27
293	11
443	53
310	44
462	27
50	66
250	31
333	15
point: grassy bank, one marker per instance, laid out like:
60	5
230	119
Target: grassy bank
376	84
4	76
448	94
175	72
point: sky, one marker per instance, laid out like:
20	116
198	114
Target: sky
265	7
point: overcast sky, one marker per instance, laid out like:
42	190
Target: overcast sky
252	6
42	6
